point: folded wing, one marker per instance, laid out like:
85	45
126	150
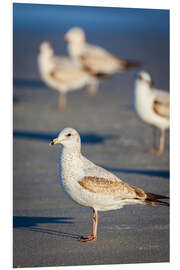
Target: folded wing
120	190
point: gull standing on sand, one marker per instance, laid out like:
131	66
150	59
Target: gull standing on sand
94	59
62	74
152	105
93	186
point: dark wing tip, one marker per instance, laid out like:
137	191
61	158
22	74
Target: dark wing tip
154	197
132	64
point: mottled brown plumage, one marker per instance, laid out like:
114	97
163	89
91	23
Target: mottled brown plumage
161	108
93	186
125	191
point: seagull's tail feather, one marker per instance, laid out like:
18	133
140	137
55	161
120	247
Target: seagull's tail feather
153	199
151	196
101	75
132	64
128	64
157	202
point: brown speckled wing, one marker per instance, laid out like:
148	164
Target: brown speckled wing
66	76
55	75
109	187
93	63
161	109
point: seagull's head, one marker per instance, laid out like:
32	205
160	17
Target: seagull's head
75	34
68	137
144	77
46	48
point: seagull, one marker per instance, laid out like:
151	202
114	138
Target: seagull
62	74
94	59
152	105
92	186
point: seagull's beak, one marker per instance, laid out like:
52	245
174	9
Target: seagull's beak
55	141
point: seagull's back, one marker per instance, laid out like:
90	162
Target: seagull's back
160	95
93	170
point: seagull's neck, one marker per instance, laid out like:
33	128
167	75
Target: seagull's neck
70	158
142	93
76	49
47	63
73	151
142	88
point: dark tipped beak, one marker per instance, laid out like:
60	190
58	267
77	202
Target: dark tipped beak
55	141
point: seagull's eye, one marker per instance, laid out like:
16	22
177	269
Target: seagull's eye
68	135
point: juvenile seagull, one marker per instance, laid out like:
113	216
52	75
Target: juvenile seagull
94	59
62	74
152	105
93	186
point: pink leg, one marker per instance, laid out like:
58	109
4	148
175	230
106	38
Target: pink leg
161	145
93	237
61	102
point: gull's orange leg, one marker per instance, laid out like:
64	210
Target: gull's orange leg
93	237
162	141
93	88
92	91
159	151
153	150
62	100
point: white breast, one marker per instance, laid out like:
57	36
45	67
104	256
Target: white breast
70	171
144	101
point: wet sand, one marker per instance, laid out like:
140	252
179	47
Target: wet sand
47	223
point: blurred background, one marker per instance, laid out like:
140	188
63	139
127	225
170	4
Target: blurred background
46	222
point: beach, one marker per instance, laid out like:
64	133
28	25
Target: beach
47	224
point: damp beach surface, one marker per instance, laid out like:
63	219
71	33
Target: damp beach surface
47	224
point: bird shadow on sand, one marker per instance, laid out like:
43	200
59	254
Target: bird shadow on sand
153	173
32	84
86	138
32	224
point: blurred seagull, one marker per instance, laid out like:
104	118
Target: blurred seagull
94	59
152	105
62	74
93	186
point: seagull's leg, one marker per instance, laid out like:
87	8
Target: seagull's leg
93	88
95	223
154	150
161	144
92	91
154	136
93	237
162	141
62	102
